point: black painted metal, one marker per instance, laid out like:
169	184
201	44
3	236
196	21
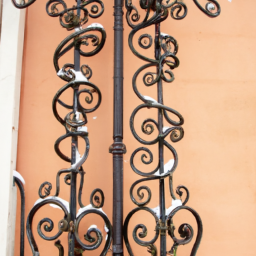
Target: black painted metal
118	148
22	214
77	78
165	49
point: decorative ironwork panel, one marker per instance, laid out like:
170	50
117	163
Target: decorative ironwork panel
165	61
77	77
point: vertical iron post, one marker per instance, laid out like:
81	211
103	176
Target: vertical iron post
118	148
74	147
160	145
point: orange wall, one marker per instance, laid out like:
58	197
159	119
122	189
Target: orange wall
215	92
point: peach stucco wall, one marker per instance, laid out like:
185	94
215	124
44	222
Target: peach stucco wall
215	91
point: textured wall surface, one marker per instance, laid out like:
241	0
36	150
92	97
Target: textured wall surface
214	90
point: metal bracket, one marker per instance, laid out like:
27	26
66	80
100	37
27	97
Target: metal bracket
163	227
117	148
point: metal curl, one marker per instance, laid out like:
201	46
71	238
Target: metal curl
30	217
158	16
211	5
74	84
84	40
176	10
165	109
67	179
180	193
47	190
146	44
143	157
62	48
67	17
166	41
171	75
137	227
172	122
141	194
86	71
148	128
185	230
176	133
95	12
89	100
148	78
70	20
47	228
47	186
146	82
151	142
91	239
132	14
98	240
99	200
52	9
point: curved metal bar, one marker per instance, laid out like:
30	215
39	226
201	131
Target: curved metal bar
96	242
22	214
151	104
186	231
82	173
74	84
142	234
180	193
143	157
47	228
76	35
30	217
210	6
99	200
60	247
94	9
47	190
141	194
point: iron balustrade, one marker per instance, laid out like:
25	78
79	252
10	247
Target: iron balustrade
77	77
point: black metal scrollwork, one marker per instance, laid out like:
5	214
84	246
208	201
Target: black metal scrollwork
165	61
86	99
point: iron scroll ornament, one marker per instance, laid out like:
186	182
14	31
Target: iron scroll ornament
165	61
77	77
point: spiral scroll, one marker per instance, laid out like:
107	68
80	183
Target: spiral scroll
165	61
86	99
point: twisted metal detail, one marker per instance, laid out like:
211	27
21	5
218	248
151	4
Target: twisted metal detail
165	61
77	77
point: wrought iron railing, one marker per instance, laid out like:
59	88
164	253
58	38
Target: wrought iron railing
77	77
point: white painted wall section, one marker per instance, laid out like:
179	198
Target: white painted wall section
11	52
